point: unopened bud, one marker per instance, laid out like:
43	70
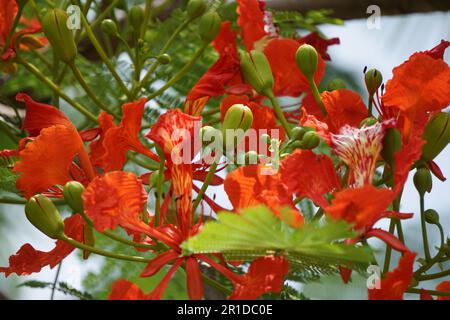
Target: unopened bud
60	37
255	68
209	26
136	17
297	133
42	213
73	196
307	60
310	140
209	134
109	27
195	9
238	116
392	143
431	216
436	135
164	58
368	122
423	181
373	80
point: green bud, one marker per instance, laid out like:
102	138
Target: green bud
392	143
431	216
164	58
72	195
109	27
436	135
336	84
136	17
153	181
257	71
297	144
307	60
54	25
238	116
209	134
195	9
368	122
373	79
310	140
423	181
209	26
42	214
297	133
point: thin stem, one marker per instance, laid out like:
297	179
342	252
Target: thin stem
387	258
370	108
433	276
208	179
7	130
279	113
88	90
102	252
216	285
103	56
143	164
35	71
19	201
317	97
55	282
431	292
426	247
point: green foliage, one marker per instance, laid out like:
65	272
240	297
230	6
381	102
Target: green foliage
315	248
61	287
291	21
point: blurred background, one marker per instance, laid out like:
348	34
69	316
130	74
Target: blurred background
385	47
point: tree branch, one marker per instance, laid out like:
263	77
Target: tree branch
355	9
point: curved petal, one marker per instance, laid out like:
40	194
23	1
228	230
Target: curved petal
251	22
125	290
44	164
194	279
158	262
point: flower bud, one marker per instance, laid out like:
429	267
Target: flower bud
153	181
257	71
431	216
368	122
72	193
136	17
307	60
423	181
42	213
60	37
164	58
297	133
238	116
310	140
209	26
392	143
109	27
195	9
336	84
208	135
436	135
373	79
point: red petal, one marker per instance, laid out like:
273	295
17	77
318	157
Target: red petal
158	262
388	238
345	274
157	293
251	22
443	286
194	279
126	290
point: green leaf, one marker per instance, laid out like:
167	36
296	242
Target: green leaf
314	248
8	180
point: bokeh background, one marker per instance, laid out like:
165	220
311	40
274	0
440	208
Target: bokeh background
384	48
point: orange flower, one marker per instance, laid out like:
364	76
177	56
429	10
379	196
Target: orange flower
396	282
344	107
420	85
247	187
264	275
307	174
29	260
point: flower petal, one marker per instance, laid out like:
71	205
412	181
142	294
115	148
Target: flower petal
126	290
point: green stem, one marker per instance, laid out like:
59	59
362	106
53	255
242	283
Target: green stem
102	252
10	200
370	109
35	71
147	16
426	246
168	44
88	90
208	179
317	97
438	275
103	56
143	164
7	130
279	113
13	29
393	223
431	292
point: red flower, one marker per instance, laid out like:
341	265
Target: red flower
264	275
126	290
443	286
29	260
307	174
396	282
